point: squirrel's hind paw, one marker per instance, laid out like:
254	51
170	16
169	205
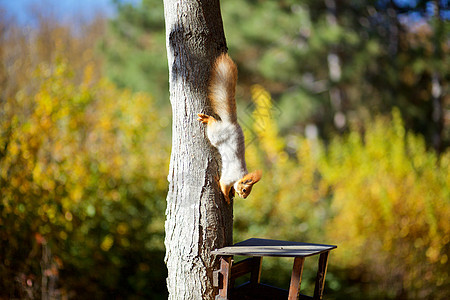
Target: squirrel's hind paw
205	119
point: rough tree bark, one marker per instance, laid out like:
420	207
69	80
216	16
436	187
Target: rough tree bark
198	219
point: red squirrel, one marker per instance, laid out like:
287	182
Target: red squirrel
226	134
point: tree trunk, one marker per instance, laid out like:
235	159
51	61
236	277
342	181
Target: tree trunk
335	72
437	93
198	219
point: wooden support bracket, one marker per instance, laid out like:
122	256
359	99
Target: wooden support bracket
223	279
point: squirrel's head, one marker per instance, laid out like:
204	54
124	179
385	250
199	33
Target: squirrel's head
244	185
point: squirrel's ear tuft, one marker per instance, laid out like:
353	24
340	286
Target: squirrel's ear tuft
252	178
256	176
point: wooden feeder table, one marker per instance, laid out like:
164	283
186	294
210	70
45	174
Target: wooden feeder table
225	277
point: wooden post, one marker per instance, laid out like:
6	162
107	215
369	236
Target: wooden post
255	276
296	278
321	272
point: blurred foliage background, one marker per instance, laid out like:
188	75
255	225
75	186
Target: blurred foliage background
344	105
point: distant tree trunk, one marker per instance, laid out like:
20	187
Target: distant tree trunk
335	72
198	220
437	93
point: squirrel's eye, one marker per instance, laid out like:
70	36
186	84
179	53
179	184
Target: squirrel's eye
244	190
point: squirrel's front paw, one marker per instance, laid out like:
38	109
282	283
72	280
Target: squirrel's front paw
205	119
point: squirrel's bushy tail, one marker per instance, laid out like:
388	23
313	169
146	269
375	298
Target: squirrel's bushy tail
222	88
